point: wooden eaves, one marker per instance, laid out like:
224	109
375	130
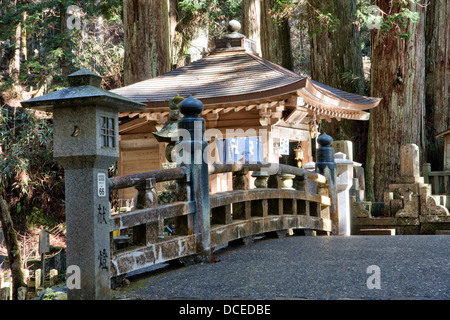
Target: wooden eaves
236	80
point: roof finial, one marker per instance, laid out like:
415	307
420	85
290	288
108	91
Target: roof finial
233	28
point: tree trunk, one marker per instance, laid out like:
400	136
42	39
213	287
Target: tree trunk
251	20
15	63
173	34
147	39
275	38
12	246
398	77
336	60
23	37
437	51
65	32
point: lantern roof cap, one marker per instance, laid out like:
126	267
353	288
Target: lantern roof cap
84	90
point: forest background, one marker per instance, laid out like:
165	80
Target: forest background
397	50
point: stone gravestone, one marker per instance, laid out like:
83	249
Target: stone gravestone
86	143
410	196
402	196
344	146
44	247
410	164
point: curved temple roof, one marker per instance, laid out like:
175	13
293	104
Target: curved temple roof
234	78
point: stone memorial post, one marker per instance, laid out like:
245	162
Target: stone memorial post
44	247
326	166
344	182
410	164
85	120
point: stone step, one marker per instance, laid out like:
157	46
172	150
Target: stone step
377	232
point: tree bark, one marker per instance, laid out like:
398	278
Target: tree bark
65	32
173	34
251	20
437	52
23	37
398	77
336	60
275	38
12	246
15	63
147	39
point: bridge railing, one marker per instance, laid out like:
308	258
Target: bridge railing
289	198
439	180
141	228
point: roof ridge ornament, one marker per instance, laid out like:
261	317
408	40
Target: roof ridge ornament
233	28
233	40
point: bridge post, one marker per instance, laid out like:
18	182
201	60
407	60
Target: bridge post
326	166
241	210
146	198
190	152
85	121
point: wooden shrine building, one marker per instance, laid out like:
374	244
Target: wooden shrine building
244	96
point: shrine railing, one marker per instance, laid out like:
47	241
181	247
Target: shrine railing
288	198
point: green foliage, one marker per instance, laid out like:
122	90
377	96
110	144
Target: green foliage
111	10
38	217
165	197
349	76
54	50
212	13
49	294
21	141
396	21
102	56
314	16
168	192
30	180
321	15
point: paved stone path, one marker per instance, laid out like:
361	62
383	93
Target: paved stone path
300	267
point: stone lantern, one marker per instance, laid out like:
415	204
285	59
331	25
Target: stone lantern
169	132
86	143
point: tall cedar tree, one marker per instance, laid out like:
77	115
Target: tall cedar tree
437	64
398	77
336	60
147	39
